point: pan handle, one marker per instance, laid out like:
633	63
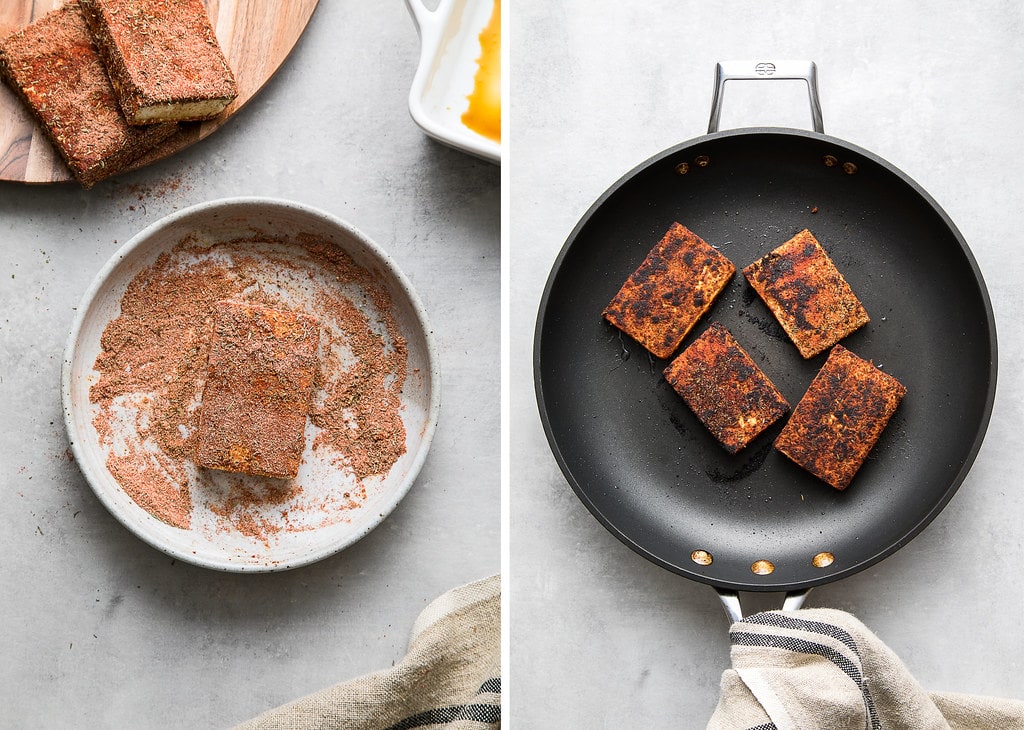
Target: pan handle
731	602
766	71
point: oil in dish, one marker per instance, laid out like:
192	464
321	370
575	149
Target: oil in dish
484	113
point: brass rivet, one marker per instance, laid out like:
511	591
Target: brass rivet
702	160
682	168
762	567
830	160
701	557
849	168
823	560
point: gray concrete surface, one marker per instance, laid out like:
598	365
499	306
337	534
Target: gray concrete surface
102	631
600	638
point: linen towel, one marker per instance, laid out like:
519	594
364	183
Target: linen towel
450	679
818	668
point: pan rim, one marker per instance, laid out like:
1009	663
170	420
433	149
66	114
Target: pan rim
768	585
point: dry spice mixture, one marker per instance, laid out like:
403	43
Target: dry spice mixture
152	366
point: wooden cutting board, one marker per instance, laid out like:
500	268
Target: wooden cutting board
256	36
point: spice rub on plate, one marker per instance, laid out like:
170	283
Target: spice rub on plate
163	58
136	366
725	388
53	66
672	288
840	418
259	381
807	294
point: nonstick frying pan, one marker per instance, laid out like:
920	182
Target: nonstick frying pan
637	456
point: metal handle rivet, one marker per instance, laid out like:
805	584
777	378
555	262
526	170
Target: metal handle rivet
762	567
682	168
701	557
823	560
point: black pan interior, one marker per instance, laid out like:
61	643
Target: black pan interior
637	456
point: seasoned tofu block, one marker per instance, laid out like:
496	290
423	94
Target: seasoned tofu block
676	284
163	58
725	388
259	383
53	66
838	421
807	294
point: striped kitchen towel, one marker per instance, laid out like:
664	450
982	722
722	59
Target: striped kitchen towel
450	679
818	668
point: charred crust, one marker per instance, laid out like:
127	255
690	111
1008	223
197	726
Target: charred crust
808	295
840	418
672	288
725	389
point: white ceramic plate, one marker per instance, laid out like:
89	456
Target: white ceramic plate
206	542
450	49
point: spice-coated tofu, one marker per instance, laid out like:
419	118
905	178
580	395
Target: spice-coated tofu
725	388
260	375
676	284
839	419
807	294
163	58
53	66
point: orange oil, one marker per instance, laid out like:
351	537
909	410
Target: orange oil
484	113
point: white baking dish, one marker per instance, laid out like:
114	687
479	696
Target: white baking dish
450	49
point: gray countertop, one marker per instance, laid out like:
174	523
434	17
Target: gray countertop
103	631
601	638
100	630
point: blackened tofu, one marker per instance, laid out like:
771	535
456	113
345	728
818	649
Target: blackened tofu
840	418
260	376
725	388
808	295
673	287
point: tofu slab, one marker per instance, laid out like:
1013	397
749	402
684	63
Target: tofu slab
725	388
163	58
53	66
260	376
807	294
671	289
840	418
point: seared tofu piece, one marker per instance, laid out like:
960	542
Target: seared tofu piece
676	284
807	294
163	58
260	375
53	66
725	388
838	421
